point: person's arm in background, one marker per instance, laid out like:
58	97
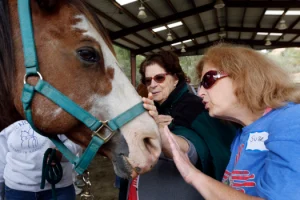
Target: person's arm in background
74	148
208	187
3	152
161	121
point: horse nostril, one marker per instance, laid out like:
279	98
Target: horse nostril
138	170
151	146
148	145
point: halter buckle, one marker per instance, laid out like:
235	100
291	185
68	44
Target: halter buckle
103	136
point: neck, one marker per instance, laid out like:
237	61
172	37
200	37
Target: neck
244	116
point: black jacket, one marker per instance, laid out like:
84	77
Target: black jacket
211	137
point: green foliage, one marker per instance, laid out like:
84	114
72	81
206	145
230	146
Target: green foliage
123	57
139	60
188	64
288	58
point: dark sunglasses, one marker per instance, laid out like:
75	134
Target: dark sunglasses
211	77
158	78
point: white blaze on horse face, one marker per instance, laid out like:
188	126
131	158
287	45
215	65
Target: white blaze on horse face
57	112
122	97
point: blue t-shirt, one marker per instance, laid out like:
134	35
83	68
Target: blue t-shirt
265	159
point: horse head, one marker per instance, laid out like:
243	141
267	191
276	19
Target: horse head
76	57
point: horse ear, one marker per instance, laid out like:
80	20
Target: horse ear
48	5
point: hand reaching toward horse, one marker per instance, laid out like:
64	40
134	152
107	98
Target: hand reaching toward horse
162	121
183	164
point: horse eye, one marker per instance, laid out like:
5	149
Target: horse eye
88	54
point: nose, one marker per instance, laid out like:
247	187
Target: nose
152	149
144	144
201	91
153	83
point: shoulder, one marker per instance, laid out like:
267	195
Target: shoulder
191	102
286	123
288	114
187	109
16	127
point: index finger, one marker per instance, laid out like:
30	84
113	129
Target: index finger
148	101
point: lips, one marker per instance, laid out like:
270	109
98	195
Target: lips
205	104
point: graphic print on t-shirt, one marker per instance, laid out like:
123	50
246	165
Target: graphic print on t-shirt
238	179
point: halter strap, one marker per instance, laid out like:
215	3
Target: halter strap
63	101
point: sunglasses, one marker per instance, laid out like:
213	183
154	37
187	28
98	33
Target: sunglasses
211	77
158	78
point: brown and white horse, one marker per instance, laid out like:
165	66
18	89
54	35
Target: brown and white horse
76	57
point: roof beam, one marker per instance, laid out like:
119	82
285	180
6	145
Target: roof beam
269	30
216	30
263	4
243	19
200	9
235	41
159	45
133	17
162	20
157	17
276	22
98	12
121	45
199	17
184	24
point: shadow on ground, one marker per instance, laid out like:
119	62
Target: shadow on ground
102	178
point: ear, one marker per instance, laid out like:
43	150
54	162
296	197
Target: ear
48	5
176	79
176	82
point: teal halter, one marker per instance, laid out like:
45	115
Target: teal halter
44	88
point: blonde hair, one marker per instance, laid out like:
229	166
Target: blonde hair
259	82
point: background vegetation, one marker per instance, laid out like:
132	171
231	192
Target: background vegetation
287	58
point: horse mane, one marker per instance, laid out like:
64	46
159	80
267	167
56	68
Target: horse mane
8	113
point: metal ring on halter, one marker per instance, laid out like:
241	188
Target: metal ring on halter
27	75
103	137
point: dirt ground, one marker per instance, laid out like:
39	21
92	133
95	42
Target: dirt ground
102	179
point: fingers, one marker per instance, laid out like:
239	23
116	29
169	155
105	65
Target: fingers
150	96
147	101
173	144
153	114
149	107
165	118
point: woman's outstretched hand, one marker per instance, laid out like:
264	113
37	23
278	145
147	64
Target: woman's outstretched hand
183	164
161	120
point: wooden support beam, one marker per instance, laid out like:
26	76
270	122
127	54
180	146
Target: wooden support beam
133	68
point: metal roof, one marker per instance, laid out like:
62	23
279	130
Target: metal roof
238	22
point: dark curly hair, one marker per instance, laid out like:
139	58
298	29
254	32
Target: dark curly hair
167	60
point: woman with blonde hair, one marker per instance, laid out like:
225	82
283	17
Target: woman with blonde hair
244	86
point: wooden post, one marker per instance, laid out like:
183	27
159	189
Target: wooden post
133	68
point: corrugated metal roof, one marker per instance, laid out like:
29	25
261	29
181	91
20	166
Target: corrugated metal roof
239	21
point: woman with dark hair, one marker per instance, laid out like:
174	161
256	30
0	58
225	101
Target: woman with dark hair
265	159
205	140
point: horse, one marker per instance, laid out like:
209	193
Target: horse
75	56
